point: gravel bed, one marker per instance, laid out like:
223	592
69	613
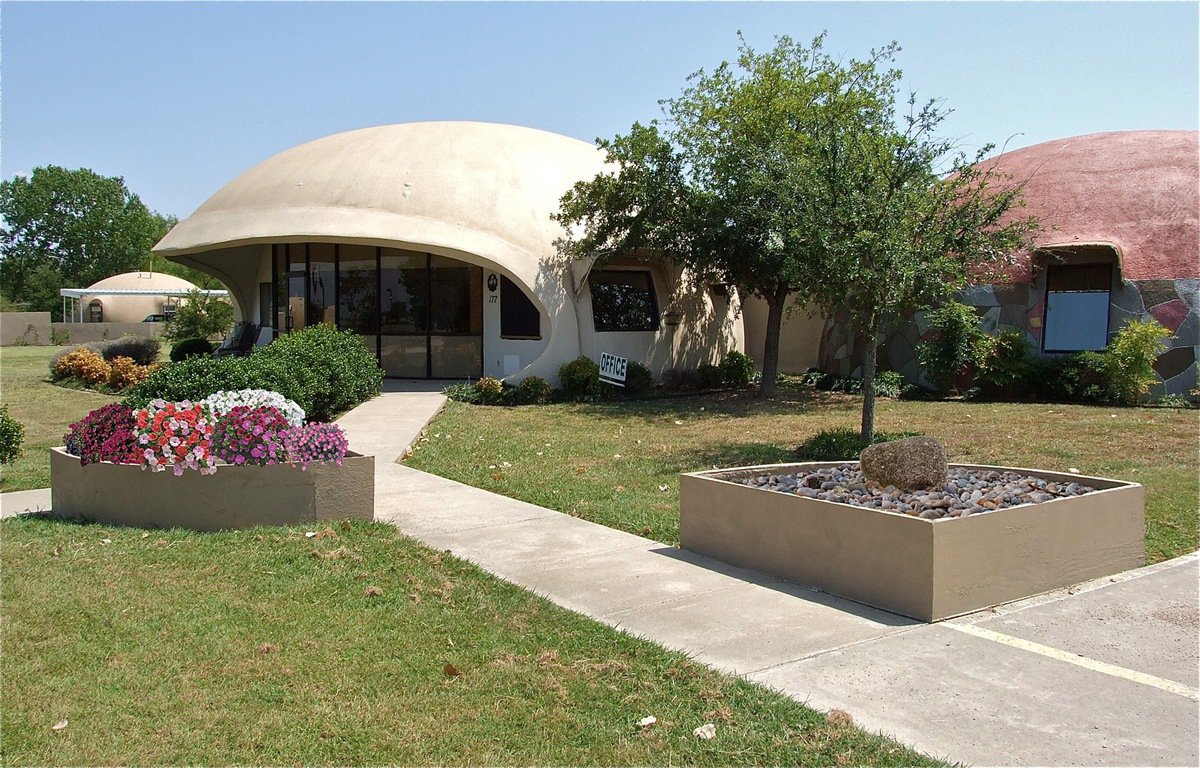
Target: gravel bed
967	492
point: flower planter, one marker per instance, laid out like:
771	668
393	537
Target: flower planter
926	569
234	498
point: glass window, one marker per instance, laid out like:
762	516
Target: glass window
519	317
404	282
623	300
456	297
321	284
358	290
1077	300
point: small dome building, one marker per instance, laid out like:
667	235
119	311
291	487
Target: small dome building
131	297
1120	239
434	242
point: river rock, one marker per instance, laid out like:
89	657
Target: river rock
910	464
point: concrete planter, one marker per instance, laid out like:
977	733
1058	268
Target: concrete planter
926	569
232	499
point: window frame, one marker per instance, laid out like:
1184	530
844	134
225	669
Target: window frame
655	318
1061	268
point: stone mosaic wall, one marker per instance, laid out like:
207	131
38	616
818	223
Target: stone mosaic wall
1174	303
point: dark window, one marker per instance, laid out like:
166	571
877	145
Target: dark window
519	318
321	284
623	300
1077	301
358	289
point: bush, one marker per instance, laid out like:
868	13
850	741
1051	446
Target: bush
889	384
737	369
199	316
140	349
324	370
638	379
125	373
12	433
83	364
105	434
532	390
580	380
842	444
194	379
711	376
949	353
491	390
1129	360
1002	363
191	348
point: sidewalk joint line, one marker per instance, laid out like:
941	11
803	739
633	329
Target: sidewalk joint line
1112	670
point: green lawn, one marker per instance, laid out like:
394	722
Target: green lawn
45	409
266	647
357	646
618	464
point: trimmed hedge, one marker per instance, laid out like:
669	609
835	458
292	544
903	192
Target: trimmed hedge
191	348
325	371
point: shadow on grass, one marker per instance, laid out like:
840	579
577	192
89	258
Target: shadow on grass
734	404
728	455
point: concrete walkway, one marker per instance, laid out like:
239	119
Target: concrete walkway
1105	673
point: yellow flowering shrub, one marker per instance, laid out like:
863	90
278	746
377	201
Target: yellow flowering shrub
83	364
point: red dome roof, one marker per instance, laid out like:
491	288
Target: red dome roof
1138	190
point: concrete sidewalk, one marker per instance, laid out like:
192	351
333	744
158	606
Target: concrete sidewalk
1103	674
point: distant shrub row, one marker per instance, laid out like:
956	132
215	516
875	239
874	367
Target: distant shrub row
107	366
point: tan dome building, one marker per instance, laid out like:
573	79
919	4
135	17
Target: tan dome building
434	241
131	297
1120	239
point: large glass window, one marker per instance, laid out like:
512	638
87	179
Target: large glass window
358	290
455	303
322	284
404	297
1077	301
623	300
519	318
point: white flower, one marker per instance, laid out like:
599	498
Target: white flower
225	401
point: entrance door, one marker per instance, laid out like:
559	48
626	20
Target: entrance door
431	316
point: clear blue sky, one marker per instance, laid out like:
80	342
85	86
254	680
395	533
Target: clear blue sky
179	98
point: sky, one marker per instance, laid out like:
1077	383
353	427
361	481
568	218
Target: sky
178	98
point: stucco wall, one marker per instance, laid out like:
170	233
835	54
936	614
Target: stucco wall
799	338
24	328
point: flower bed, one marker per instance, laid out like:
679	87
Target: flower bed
274	469
929	569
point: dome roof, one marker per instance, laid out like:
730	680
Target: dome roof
481	188
157	281
1136	190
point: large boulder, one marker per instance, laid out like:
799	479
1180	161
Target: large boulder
911	464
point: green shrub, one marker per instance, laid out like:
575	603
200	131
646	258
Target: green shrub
949	353
580	380
1129	360
638	379
711	376
827	382
190	348
195	379
324	370
532	390
889	384
466	392
1002	364
142	350
841	444
737	369
12	432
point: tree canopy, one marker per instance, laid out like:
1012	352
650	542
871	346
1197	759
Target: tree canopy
70	228
791	174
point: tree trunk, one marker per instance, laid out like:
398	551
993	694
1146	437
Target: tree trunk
770	361
868	388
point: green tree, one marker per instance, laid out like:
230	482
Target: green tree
722	185
200	316
911	220
72	227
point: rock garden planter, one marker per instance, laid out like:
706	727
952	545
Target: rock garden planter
928	569
233	498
